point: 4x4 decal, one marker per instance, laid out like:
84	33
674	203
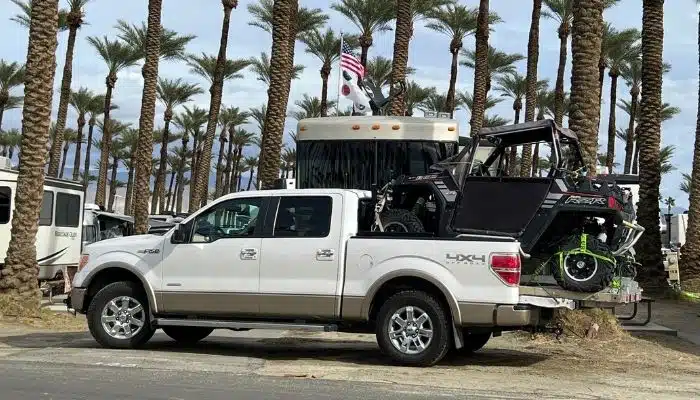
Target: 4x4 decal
465	258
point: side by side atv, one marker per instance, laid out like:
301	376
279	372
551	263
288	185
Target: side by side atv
579	229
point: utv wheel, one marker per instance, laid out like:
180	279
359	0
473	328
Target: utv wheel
413	329
400	220
474	342
118	316
187	335
583	273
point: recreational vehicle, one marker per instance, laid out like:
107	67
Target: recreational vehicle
59	237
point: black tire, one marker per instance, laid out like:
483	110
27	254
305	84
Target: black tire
100	301
474	342
438	345
187	335
403	220
599	273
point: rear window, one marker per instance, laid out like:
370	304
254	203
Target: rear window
68	210
5	204
46	213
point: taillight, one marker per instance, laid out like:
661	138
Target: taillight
613	203
507	267
83	261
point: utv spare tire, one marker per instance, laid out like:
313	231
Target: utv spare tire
402	221
584	264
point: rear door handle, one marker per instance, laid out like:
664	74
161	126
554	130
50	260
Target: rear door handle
325	255
249	254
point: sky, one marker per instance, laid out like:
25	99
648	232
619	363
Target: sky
429	55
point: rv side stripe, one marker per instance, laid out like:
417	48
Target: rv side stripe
52	255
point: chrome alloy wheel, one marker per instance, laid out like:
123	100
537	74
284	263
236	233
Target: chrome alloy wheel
123	317
410	330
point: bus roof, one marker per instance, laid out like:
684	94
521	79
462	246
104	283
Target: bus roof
378	128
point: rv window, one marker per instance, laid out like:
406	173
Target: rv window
5	204
68	210
46	213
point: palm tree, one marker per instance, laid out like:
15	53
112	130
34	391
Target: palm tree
216	71
11	76
70	136
529	158
514	86
150	49
665	157
466	100
24	18
10	141
74	20
498	63
251	163
95	109
457	22
648	135
481	67
172	44
229	119
369	16
690	261
416	95
667	113
587	31
631	72
240	139
80	101
19	278
621	48
311	107
326	47
172	93
129	142
402	38
378	71
261	68
191	122
562	12
117	55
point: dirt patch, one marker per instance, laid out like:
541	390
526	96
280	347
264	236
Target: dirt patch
13	312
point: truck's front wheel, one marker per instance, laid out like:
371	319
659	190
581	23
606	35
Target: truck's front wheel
118	316
413	329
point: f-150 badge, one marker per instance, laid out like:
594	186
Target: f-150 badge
148	251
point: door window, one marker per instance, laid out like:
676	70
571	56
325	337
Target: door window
46	213
68	210
228	219
5	204
304	216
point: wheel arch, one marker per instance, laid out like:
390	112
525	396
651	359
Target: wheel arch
114	272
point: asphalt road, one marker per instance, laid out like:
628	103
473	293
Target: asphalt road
31	380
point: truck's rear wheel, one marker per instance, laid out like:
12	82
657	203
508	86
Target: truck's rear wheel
187	335
118	316
413	329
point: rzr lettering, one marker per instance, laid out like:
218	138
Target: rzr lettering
588	201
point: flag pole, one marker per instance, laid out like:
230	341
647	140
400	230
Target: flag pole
340	73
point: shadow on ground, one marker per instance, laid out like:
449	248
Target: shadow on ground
285	348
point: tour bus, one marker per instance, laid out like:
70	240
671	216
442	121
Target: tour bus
360	151
59	236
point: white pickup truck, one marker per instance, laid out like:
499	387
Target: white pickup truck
302	259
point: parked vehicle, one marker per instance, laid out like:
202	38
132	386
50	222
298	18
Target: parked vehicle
306	259
59	234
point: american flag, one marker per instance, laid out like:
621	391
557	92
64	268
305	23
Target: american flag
350	62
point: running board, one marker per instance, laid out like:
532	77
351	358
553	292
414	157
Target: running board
218	324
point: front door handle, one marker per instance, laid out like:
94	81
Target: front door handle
325	255
249	254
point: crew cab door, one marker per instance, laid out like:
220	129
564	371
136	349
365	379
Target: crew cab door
301	257
216	271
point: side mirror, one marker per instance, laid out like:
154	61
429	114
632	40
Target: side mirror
178	234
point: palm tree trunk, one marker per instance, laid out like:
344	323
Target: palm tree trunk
170	189
144	150
612	124
481	74
450	106
652	276
229	160
19	277
63	102
78	148
283	32
559	87
202	182
690	255
514	149
101	191
2	111
325	73
63	160
586	38
128	198
86	172
218	191
236	173
530	159
365	44
629	146
159	187
402	38
113	184
635	160
240	180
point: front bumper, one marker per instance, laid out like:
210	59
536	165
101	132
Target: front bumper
76	299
